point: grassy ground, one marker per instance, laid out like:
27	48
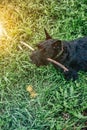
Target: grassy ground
59	104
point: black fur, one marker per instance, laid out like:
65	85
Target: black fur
74	55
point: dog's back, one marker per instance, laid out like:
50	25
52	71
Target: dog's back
77	53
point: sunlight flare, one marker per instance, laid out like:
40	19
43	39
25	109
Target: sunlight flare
2	30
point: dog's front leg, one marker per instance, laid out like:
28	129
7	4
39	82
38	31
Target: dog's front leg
71	74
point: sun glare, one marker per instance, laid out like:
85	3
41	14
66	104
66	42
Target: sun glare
2	30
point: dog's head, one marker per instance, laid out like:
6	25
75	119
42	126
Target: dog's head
49	48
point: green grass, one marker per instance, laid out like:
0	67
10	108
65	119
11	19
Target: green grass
59	104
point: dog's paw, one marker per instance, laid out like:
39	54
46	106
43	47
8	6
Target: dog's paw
71	75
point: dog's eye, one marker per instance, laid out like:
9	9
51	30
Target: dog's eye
43	50
39	46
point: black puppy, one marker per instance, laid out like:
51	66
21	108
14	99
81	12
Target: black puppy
72	54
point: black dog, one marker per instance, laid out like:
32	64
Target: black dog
72	54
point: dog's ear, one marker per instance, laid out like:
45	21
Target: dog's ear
57	44
47	35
